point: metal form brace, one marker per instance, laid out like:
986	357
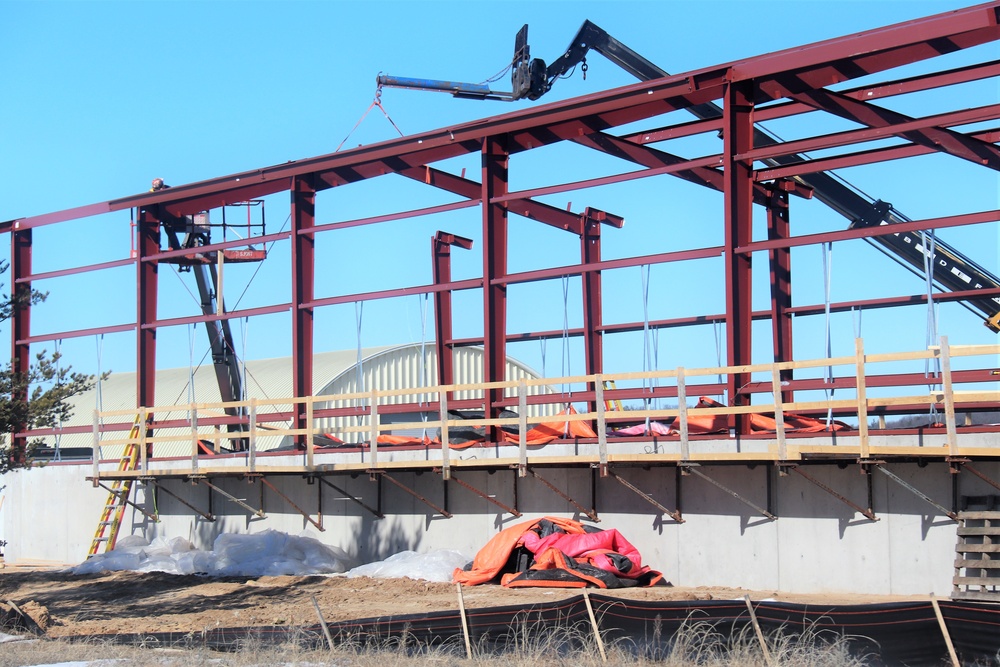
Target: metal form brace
378	514
693	468
382	475
152	517
238	501
318	524
207	516
980	475
893	476
868	513
591	514
484	496
673	514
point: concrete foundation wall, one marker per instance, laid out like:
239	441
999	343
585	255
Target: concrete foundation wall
818	544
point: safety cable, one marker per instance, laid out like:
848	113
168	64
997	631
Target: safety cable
566	367
932	367
359	310
828	347
423	365
646	356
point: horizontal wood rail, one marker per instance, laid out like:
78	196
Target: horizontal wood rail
199	423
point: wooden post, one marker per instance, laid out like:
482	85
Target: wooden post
373	413
193	412
445	447
683	416
760	634
522	428
947	635
322	622
779	412
602	429
253	434
859	363
96	451
310	447
465	622
949	398
142	438
593	624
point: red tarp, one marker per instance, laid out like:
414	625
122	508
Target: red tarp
559	553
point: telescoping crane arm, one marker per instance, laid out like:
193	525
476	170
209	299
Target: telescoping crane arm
951	270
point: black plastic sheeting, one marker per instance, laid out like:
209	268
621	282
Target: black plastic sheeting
902	633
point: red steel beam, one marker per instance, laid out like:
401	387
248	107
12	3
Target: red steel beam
868	93
738	128
917	131
147	244
494	183
780	261
963	117
20	321
832	61
866	232
590	253
858	159
303	216
441	244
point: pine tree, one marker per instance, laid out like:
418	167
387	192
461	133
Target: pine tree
37	398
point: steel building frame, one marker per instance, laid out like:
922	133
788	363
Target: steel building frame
786	83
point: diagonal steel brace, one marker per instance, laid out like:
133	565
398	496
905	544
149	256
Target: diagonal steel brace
116	492
318	524
692	468
238	501
590	513
159	487
378	514
381	475
673	514
920	494
484	496
868	513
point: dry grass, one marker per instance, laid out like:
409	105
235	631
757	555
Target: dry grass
697	644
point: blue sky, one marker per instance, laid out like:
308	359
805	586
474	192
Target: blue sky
100	97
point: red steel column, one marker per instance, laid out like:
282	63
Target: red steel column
738	131
590	251
303	215
147	244
494	184
780	260
20	320
441	244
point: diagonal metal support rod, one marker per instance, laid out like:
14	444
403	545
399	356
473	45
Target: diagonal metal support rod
238	501
693	468
920	494
318	524
205	515
118	492
673	514
868	513
443	512
590	513
484	496
981	476
378	514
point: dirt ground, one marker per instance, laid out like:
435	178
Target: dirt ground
65	604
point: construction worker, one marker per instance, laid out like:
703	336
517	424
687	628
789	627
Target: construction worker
158	185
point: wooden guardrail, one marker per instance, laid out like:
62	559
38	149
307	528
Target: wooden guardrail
261	422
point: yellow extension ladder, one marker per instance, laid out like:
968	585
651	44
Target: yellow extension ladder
615	404
114	508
